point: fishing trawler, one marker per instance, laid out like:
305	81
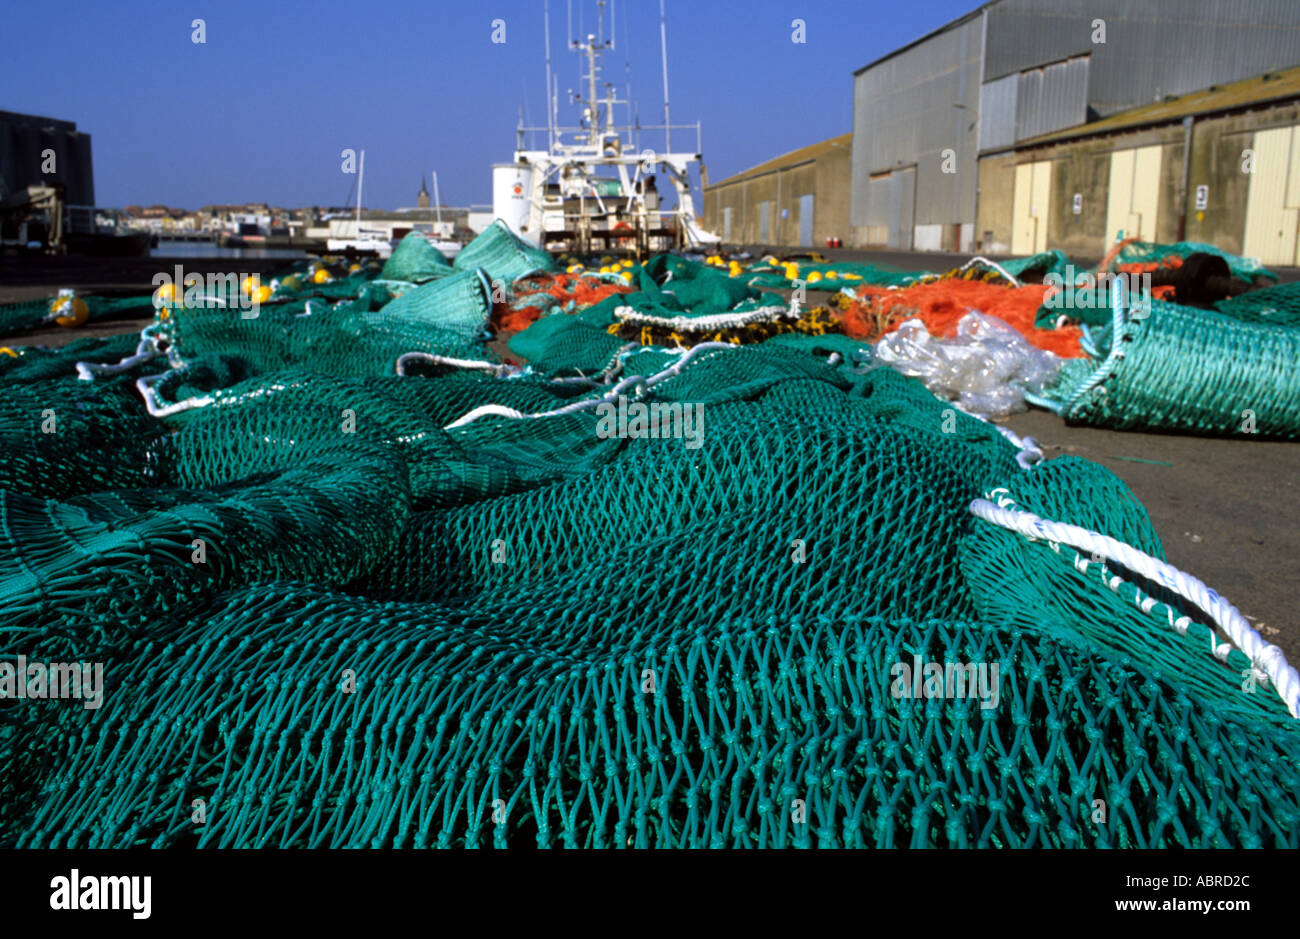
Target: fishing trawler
593	188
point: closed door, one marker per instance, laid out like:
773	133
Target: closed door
805	219
1273	200
1030	203
902	203
726	223
1133	200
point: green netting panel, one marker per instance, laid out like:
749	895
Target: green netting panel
350	338
520	674
1188	370
458	303
36	363
55	434
1036	267
505	256
1279	306
1147	252
556	344
753	714
416	260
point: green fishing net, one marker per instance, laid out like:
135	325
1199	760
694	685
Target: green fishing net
469	605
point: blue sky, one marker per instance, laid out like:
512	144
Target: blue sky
262	109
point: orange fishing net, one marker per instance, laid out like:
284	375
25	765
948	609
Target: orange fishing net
535	295
941	305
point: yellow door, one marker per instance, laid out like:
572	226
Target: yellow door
1273	201
1133	201
1029	205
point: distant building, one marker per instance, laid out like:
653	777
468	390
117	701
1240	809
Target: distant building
422	199
29	144
798	199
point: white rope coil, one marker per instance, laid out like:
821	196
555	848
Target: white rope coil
1267	659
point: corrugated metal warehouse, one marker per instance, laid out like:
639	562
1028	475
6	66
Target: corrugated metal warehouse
24	138
800	198
1014	70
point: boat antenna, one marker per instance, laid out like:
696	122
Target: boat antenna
361	178
663	46
550	104
627	63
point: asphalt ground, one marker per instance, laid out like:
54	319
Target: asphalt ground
1226	510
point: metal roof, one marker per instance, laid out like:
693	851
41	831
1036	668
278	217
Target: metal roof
1271	86
793	158
930	35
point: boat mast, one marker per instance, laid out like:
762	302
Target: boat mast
437	199
361	178
663	47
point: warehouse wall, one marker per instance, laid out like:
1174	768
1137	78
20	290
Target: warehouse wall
1217	147
906	111
824	177
1081	167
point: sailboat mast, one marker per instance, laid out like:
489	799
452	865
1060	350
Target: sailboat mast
437	199
361	178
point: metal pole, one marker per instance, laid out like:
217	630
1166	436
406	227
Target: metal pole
663	46
437	199
550	132
361	178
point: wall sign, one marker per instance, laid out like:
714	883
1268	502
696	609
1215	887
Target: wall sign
1078	203
1202	197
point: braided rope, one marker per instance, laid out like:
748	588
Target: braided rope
640	382
1267	658
697	324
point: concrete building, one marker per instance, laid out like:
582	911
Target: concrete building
1221	165
926	115
798	199
37	151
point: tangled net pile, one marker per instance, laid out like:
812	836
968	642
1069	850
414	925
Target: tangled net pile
350	596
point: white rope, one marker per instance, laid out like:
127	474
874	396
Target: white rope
154	405
1266	658
501	371
633	381
696	324
993	264
146	350
1030	452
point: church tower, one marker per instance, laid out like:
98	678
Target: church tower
422	200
